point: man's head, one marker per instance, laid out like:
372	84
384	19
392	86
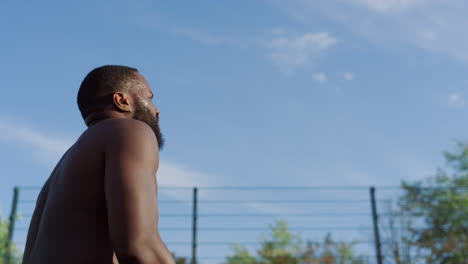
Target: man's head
112	91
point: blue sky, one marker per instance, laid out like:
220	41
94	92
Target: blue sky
343	92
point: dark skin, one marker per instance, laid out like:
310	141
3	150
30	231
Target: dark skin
99	204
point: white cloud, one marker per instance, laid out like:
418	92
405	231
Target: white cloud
278	31
349	76
43	147
174	174
438	27
200	36
211	39
320	77
456	100
289	52
385	6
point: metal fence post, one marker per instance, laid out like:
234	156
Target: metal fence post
194	226
376	226
11	225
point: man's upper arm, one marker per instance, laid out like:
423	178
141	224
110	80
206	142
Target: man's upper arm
36	218
131	161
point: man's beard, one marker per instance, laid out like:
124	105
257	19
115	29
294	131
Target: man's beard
143	114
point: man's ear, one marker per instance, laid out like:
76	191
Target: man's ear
122	101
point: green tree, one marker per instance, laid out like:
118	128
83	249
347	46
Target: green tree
280	246
439	206
3	238
179	260
15	256
331	252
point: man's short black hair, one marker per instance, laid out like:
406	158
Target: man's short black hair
100	84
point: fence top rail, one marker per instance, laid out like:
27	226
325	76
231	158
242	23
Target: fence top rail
26	187
355	187
278	188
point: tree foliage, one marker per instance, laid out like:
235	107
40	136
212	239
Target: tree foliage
281	246
438	206
179	260
15	257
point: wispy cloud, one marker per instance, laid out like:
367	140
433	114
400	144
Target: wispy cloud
385	6
175	174
290	51
319	77
207	38
349	76
438	27
456	100
43	147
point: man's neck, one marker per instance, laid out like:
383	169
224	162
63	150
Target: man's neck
95	118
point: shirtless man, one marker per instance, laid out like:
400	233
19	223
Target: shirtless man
99	204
